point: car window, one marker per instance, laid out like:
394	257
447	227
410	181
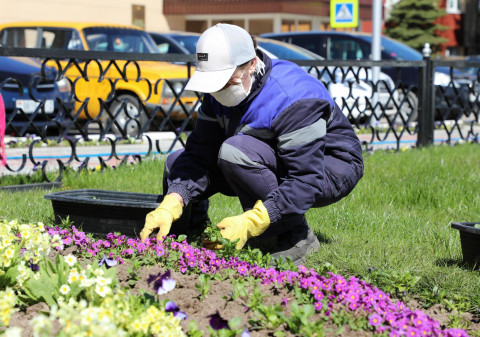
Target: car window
20	37
118	40
346	48
285	52
395	50
62	38
187	41
40	37
165	46
310	42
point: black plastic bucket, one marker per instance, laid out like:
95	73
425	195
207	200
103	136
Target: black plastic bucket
470	241
101	211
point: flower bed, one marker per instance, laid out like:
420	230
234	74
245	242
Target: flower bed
63	282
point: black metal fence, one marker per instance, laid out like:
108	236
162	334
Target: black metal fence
70	98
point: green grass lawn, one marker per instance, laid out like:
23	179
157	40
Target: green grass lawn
393	230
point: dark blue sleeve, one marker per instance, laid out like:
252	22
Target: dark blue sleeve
189	174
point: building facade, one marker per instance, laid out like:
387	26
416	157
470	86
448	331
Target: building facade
144	13
256	16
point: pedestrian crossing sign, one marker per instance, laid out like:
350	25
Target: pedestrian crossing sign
343	13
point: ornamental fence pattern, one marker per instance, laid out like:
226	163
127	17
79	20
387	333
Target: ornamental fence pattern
120	101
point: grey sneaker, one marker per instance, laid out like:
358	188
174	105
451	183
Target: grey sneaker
296	244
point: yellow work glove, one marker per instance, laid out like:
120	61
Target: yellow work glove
162	217
243	227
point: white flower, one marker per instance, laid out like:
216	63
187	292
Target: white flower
102	291
87	282
102	281
64	289
42	325
9	252
98	272
13	332
88	316
5	262
70	260
7	240
41	226
73	278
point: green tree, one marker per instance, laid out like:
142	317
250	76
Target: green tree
413	22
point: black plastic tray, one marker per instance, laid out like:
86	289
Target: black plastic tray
27	187
102	211
470	241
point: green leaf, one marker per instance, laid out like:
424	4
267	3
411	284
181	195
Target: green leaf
235	322
193	330
41	290
49	267
75	289
10	277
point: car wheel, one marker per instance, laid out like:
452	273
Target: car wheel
408	105
129	116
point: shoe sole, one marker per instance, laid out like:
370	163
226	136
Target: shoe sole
313	248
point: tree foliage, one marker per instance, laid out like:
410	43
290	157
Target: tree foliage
413	22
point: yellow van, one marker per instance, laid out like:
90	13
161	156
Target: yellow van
117	98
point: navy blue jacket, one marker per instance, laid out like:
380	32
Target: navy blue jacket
283	101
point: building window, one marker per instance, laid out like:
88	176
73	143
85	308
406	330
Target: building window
288	26
453	7
138	16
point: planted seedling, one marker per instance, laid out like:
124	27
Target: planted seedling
203	286
299	323
268	317
256	298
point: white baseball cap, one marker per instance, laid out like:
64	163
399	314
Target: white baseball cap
220	50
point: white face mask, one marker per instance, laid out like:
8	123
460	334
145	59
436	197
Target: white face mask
232	95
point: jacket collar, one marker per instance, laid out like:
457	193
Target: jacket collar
260	80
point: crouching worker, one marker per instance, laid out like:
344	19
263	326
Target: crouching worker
268	133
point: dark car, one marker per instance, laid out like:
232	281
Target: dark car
473	71
34	101
451	96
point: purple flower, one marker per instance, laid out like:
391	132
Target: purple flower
33	266
162	283
375	320
109	262
170	306
217	322
245	333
